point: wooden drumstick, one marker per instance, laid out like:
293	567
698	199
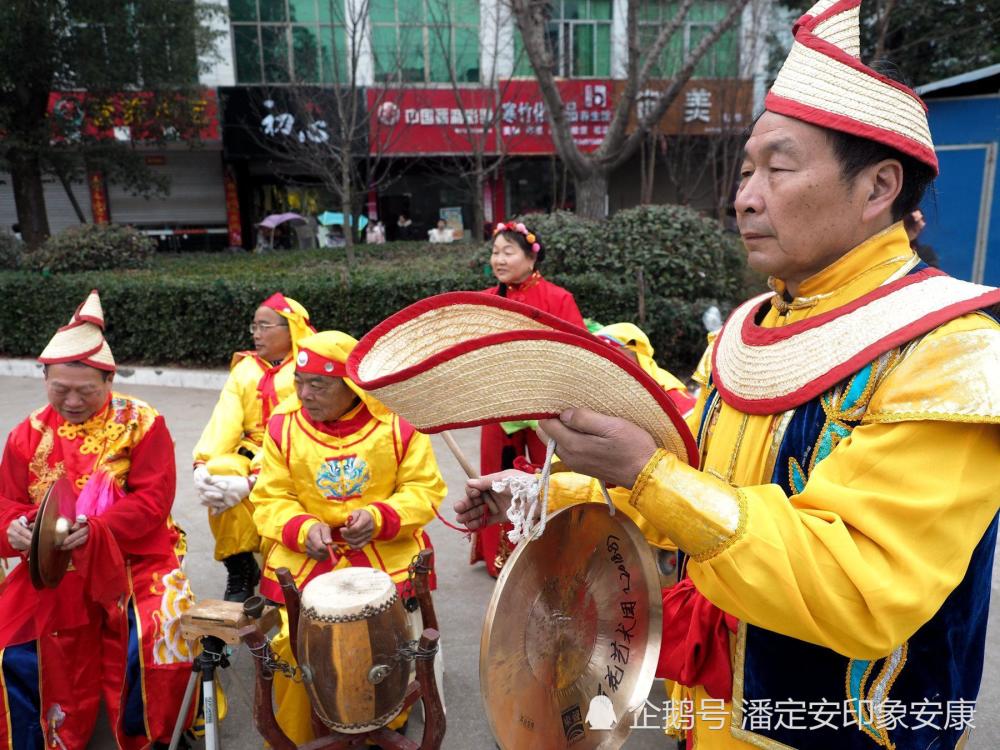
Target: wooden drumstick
470	472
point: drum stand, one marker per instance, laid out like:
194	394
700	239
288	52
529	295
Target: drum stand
217	624
423	688
213	656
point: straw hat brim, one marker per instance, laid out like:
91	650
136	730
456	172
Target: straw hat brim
73	343
769	370
465	359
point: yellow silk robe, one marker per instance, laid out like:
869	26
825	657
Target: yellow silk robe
880	535
238	421
322	473
238	417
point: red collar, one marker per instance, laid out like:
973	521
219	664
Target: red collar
527	284
267	366
350	423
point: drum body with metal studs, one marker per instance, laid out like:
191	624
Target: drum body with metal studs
352	628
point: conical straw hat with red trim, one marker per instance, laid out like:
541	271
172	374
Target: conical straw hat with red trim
824	82
82	339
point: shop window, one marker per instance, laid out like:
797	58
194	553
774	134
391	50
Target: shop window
424	40
289	41
579	35
247	54
722	58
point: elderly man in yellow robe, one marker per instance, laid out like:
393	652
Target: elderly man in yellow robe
338	469
258	381
840	530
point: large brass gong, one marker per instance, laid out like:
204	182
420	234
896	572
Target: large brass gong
576	613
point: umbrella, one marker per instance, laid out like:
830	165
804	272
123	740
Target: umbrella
336	218
270	222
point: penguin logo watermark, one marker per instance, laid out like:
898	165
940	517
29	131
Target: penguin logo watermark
601	714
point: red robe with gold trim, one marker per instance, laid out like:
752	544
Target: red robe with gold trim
112	626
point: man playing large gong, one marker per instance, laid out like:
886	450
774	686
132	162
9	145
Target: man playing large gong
840	531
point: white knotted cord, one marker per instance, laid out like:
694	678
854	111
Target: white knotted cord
524	501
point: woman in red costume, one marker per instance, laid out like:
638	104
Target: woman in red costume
517	253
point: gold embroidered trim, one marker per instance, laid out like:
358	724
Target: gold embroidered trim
931	416
779	425
741	530
647	471
38	466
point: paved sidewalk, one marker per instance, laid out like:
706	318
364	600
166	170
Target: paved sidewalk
461	599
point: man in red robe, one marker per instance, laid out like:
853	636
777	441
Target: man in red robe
111	628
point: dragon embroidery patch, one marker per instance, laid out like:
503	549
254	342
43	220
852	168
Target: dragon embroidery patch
343	478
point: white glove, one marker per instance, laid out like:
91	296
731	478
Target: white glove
232	489
208	494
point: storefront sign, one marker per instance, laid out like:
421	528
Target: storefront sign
267	122
432	121
705	106
134	116
524	124
452	216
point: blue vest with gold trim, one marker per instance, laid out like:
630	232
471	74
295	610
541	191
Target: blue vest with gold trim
921	694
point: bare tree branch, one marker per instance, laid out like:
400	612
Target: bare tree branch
591	171
885	13
676	85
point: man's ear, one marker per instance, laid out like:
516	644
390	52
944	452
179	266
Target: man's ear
884	183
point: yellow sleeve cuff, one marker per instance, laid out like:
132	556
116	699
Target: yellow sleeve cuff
702	515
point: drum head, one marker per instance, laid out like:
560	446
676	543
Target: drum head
576	614
349	593
47	563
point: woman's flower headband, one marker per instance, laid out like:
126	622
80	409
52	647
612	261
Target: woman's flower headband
516	226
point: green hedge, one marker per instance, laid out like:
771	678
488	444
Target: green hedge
92	247
10	251
193	309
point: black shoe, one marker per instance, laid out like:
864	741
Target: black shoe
243	575
184	744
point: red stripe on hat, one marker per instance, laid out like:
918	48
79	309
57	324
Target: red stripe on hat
277	302
76	357
308	361
834	52
559	331
782	106
809	23
99	365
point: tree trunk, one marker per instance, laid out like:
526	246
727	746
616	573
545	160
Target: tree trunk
347	207
29	196
592	195
648	171
478	213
